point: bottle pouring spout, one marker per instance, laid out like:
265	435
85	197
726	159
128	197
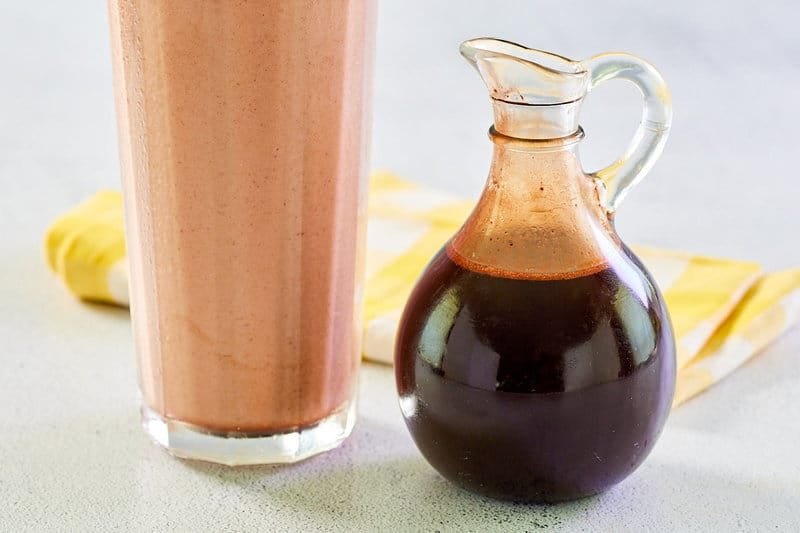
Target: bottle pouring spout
537	95
526	76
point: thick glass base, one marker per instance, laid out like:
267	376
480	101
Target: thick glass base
188	441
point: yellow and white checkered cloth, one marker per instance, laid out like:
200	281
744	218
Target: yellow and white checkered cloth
723	311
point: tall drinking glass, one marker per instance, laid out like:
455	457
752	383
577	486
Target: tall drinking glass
243	130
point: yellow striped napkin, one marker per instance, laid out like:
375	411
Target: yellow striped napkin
723	311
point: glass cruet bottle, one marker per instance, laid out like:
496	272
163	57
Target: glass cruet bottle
535	359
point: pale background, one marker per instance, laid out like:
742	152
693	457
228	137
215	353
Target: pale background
71	454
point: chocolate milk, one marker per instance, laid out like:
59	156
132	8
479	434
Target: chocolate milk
243	129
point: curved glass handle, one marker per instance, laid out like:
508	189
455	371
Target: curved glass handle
647	143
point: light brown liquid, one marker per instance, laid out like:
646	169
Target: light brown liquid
540	217
242	142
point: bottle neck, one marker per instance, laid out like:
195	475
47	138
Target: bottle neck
534	122
540	216
540	176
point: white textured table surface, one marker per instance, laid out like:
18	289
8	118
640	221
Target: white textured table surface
72	456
